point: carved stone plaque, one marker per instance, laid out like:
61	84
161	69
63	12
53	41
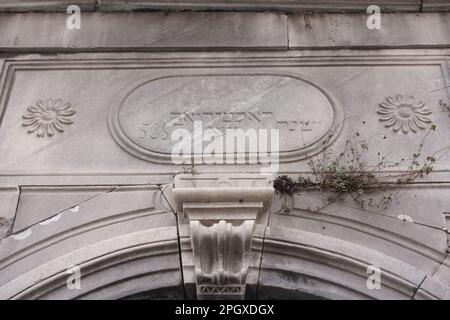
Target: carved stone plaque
302	111
129	108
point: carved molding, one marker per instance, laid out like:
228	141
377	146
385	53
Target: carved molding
221	211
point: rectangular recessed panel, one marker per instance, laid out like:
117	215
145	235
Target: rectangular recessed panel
120	116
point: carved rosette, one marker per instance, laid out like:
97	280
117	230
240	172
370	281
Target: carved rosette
46	118
404	113
222	212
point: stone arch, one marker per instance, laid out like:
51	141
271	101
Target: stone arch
140	265
134	249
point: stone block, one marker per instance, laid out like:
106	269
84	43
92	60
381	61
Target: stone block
145	31
351	31
45	5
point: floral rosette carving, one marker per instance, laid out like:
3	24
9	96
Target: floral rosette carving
48	117
404	113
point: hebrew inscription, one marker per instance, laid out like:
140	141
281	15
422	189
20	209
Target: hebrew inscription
302	111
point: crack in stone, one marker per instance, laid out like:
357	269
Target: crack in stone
437	268
58	213
370	212
11	227
429	276
161	189
262	253
418	287
260	263
180	259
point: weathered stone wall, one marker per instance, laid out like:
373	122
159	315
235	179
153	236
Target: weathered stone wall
91	185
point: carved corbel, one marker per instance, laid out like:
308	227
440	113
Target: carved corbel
221	211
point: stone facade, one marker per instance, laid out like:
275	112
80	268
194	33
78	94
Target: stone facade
88	184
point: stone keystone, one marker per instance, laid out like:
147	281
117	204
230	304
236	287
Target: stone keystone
221	210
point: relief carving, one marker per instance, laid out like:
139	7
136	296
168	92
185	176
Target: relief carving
303	112
224	266
46	118
404	113
221	211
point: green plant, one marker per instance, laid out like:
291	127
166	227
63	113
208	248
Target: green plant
348	172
